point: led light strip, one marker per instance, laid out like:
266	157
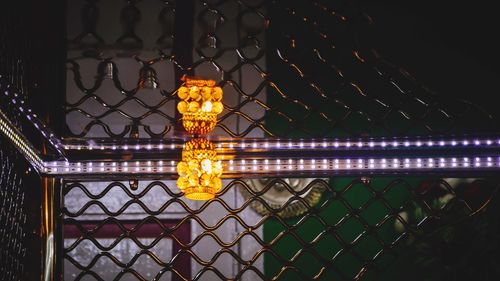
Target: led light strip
284	166
19	141
276	144
362	164
128	167
18	104
124	147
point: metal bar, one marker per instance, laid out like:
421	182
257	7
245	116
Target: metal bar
52	235
20	142
183	46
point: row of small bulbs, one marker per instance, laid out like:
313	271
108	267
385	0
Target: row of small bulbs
269	144
277	165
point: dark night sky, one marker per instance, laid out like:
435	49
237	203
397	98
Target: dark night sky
450	46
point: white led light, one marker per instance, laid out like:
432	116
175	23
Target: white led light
465	142
113	147
430	143
360	144
336	144
407	143
148	147
160	146
441	143
348	144
395	143
476	142
371	144
489	142
137	147
453	143
419	143
325	144
125	147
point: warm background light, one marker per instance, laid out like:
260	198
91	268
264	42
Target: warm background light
200	103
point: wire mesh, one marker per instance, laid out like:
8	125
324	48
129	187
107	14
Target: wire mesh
360	222
293	69
18	217
283	65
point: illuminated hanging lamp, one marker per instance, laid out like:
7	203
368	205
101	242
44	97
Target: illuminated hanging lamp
199	171
200	103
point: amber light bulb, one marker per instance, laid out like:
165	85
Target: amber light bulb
200	103
199	171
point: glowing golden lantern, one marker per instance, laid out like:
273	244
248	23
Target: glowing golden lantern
200	103
199	171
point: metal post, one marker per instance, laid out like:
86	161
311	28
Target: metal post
52	235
